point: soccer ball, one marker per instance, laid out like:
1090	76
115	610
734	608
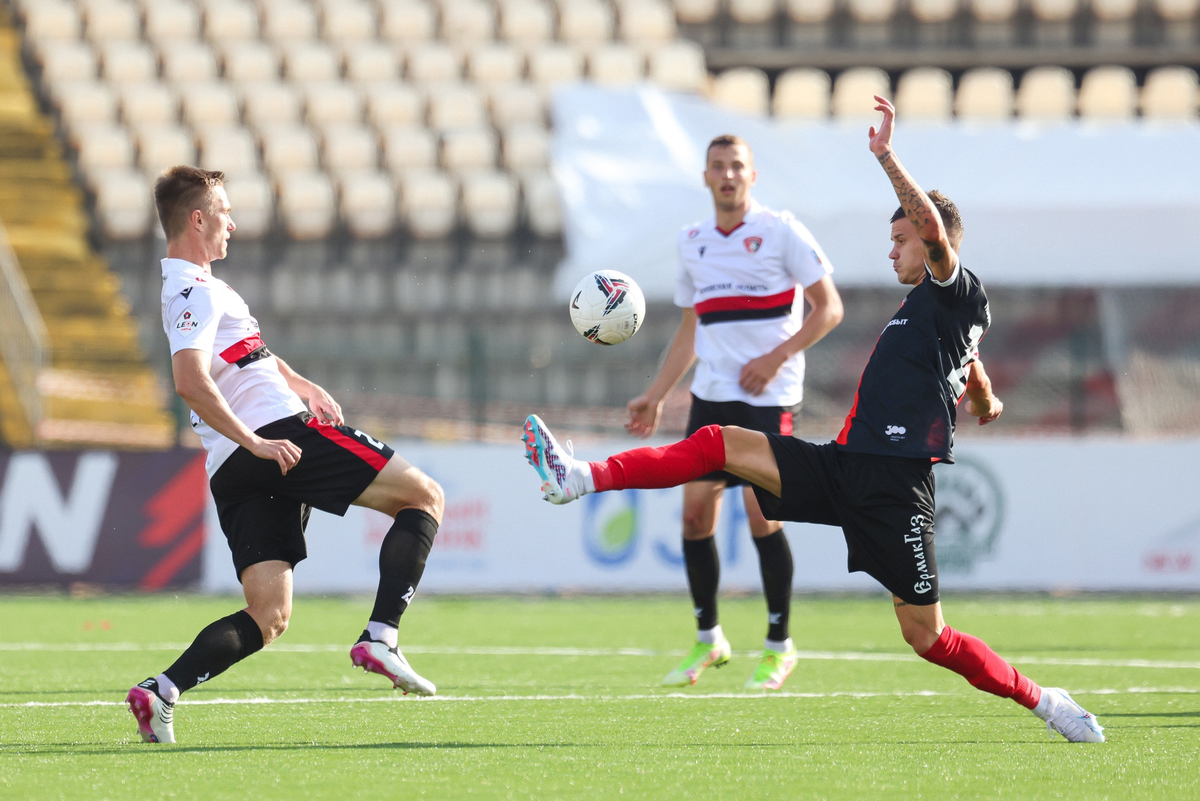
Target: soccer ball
607	307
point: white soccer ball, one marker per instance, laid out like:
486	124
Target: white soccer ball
607	307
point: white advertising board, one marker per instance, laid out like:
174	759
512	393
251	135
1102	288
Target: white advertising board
1017	514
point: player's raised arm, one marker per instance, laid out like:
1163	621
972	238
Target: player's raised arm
918	208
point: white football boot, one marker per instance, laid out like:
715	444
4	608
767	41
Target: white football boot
374	656
155	717
1068	718
564	478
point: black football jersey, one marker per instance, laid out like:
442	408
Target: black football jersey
909	392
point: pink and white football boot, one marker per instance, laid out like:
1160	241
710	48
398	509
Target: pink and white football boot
374	656
155	717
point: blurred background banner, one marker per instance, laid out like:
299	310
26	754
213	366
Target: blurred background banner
1040	515
1065	204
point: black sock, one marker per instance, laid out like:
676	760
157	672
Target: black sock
401	563
704	573
220	646
775	561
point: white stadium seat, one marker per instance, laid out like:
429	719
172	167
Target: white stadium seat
515	103
171	21
228	148
123	203
696	12
1054	10
646	21
107	21
407	20
163	146
128	62
310	61
53	20
230	20
678	66
467	21
349	148
809	12
489	202
332	101
250	61
407	147
1108	93
585	22
801	93
1046	94
985	93
468	150
367	204
432	62
307	206
526	147
288	20
288	148
872	12
269	103
743	89
67	61
934	11
526	21
455	106
371	62
348	21
148	103
993	11
394	104
1170	94
207	104
428	203
543	206
494	63
104	146
925	93
752	12
616	65
854	92
555	63
187	62
82	102
253	204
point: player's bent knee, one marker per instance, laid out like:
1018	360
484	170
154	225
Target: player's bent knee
919	637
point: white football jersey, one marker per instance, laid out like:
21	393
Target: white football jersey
201	312
742	285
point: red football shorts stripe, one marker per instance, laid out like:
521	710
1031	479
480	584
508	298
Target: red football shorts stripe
373	458
234	353
786	424
746	302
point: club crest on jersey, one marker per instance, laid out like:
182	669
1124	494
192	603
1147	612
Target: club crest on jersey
752	243
187	323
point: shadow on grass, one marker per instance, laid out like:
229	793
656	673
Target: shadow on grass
1195	714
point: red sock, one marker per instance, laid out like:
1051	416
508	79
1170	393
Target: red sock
668	466
971	658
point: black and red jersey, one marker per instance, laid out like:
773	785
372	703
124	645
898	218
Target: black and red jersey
909	392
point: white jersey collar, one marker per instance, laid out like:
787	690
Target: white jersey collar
180	266
750	217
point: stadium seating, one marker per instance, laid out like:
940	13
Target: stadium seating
743	89
802	94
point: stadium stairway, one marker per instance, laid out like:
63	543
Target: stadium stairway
99	389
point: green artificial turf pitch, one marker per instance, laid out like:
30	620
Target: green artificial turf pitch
556	698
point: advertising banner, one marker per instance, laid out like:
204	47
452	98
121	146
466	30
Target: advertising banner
130	520
1017	514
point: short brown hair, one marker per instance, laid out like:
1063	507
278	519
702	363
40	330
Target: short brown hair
727	140
179	191
951	218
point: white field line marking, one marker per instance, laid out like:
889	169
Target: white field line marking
674	696
500	650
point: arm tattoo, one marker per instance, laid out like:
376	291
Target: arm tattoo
917	206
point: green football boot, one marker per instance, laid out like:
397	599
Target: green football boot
773	670
702	655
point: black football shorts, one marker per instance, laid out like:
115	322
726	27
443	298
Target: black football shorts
883	504
767	419
264	513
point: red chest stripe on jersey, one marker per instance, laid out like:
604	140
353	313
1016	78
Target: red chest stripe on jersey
372	457
248	350
746	302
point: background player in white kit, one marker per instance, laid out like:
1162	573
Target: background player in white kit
744	320
270	460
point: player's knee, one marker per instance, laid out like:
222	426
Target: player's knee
919	637
272	619
698	524
425	494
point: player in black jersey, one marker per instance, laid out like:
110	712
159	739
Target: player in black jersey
876	480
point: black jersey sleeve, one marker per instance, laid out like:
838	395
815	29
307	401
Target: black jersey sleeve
955	290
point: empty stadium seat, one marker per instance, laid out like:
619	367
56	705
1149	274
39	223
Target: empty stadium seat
854	92
934	11
230	20
82	102
809	12
348	21
349	148
455	106
407	20
307	206
53	20
428	203
128	62
269	103
1108	93
288	148
288	20
122	204
489	202
494	63
925	94
743	89
432	62
515	103
526	147
67	61
468	150
107	21
408	147
1054	21
1114	21
753	12
526	21
995	22
228	148
1054	10
985	93
679	66
163	146
1170	93
332	101
206	104
310	61
646	21
993	11
616	65
555	64
367	204
1046	94
252	202
104	146
542	205
871	21
696	12
248	61
171	21
188	62
467	21
148	103
371	62
394	104
801	93
585	22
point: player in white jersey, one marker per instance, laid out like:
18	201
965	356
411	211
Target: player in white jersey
270	460
743	320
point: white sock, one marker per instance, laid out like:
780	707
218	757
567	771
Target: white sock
711	636
589	481
167	689
1042	710
388	635
782	646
